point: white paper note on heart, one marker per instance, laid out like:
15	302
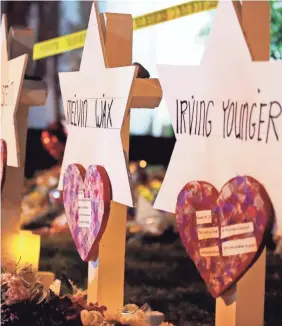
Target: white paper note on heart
84	211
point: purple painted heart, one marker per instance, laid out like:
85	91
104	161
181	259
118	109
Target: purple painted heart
3	162
223	232
87	198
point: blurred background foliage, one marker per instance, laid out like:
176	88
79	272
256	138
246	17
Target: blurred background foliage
276	29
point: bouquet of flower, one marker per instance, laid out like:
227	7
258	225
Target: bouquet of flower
25	302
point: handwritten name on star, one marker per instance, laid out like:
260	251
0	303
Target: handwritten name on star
91	112
244	120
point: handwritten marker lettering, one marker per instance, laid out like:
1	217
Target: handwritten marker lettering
77	112
251	121
242	120
90	112
103	113
192	117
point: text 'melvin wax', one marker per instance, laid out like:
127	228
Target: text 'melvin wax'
78	112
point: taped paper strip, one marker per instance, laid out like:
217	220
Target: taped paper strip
208	233
76	40
238	247
209	251
204	217
236	229
84	213
81	194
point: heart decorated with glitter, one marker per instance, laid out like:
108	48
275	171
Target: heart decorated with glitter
87	197
223	232
3	162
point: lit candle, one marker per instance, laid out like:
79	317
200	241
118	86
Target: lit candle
29	248
9	247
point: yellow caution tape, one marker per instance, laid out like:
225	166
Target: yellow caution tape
76	40
59	45
171	13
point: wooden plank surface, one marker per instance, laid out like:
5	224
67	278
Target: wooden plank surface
244	303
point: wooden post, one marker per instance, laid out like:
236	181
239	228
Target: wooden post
244	303
33	93
106	275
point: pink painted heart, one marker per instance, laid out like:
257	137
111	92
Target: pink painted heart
87	197
3	162
223	232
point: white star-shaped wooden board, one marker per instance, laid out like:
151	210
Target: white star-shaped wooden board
12	76
226	114
95	102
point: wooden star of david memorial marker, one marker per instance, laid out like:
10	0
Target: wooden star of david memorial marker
97	101
236	125
227	118
12	76
17	95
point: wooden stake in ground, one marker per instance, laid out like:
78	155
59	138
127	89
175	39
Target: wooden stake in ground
106	275
108	45
244	303
18	95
